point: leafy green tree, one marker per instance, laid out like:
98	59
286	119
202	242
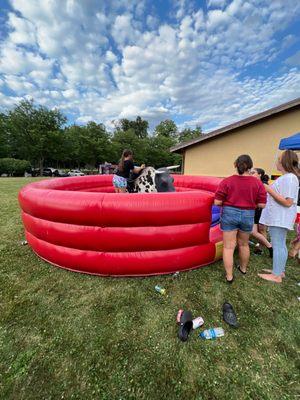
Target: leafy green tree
128	140
139	126
158	154
4	137
14	167
89	144
71	146
166	128
189	134
98	137
35	132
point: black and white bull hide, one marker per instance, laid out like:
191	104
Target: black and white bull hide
152	180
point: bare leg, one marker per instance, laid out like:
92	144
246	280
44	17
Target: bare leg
260	237
244	251
294	249
229	243
263	230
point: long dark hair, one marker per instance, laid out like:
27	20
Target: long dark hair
243	163
263	176
126	153
290	162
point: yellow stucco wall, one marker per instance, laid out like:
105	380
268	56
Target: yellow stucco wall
260	140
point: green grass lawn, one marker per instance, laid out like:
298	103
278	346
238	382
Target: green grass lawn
71	336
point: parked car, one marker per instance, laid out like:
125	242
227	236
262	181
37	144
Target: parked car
75	172
60	173
35	172
50	171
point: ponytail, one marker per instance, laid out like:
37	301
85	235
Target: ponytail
243	164
290	162
126	153
263	176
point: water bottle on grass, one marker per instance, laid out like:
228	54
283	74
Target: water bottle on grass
160	290
212	333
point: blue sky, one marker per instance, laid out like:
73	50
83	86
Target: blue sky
206	63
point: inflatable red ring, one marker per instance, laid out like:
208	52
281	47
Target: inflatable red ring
78	223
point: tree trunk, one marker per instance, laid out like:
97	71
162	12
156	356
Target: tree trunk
41	164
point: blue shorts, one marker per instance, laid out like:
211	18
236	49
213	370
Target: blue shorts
119	182
237	219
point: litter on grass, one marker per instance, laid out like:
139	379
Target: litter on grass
197	322
212	333
160	290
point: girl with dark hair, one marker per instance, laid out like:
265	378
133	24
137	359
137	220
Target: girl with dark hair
239	195
258	231
280	212
122	173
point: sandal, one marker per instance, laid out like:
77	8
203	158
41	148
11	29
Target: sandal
229	281
229	315
242	272
185	319
184	331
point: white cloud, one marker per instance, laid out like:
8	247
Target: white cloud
99	61
217	17
18	60
123	31
294	59
216	3
23	31
84	119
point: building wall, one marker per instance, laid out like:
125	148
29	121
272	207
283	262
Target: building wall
260	140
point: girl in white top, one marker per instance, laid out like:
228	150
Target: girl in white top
281	211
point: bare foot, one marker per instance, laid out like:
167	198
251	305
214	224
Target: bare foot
269	271
293	253
271	278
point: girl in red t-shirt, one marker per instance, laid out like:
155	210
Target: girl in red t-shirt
239	195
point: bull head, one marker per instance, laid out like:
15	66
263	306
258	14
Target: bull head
151	180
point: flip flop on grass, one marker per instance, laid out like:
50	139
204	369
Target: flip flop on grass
185	320
229	315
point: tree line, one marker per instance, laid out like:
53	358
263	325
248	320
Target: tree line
42	137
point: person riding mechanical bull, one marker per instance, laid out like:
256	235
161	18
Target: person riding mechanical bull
134	179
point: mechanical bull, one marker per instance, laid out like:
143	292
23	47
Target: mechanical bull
152	180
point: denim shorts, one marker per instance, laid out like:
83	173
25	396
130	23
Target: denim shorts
119	182
237	219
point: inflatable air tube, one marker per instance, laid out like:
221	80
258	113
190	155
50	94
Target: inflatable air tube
80	224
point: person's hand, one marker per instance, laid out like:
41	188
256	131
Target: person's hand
143	166
267	187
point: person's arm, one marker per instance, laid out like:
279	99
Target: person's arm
221	194
218	202
261	196
284	201
137	170
261	205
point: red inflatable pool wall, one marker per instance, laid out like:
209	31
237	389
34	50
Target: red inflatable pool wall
78	223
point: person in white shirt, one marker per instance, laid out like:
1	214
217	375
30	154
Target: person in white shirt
280	212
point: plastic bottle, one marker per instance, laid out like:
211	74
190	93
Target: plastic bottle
212	333
160	289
